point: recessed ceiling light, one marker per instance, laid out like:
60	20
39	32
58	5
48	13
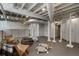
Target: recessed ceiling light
43	9
7	17
27	16
2	16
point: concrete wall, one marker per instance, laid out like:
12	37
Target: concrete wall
74	31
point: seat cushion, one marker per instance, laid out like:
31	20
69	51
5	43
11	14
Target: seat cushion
27	41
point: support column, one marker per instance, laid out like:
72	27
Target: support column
60	33
70	37
49	26
31	30
50	9
54	34
37	30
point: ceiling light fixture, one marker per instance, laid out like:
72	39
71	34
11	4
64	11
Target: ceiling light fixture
7	17
74	19
43	9
2	16
27	16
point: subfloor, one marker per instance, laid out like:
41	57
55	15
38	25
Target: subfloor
59	49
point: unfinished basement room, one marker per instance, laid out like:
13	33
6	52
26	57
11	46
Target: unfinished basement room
39	29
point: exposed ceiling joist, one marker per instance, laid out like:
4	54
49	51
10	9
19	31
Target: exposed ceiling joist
22	12
41	12
68	8
58	4
45	14
40	8
32	6
64	5
23	5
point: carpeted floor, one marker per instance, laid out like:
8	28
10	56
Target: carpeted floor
59	49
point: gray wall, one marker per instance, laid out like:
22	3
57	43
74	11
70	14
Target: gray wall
41	30
17	31
44	29
34	30
74	31
0	36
